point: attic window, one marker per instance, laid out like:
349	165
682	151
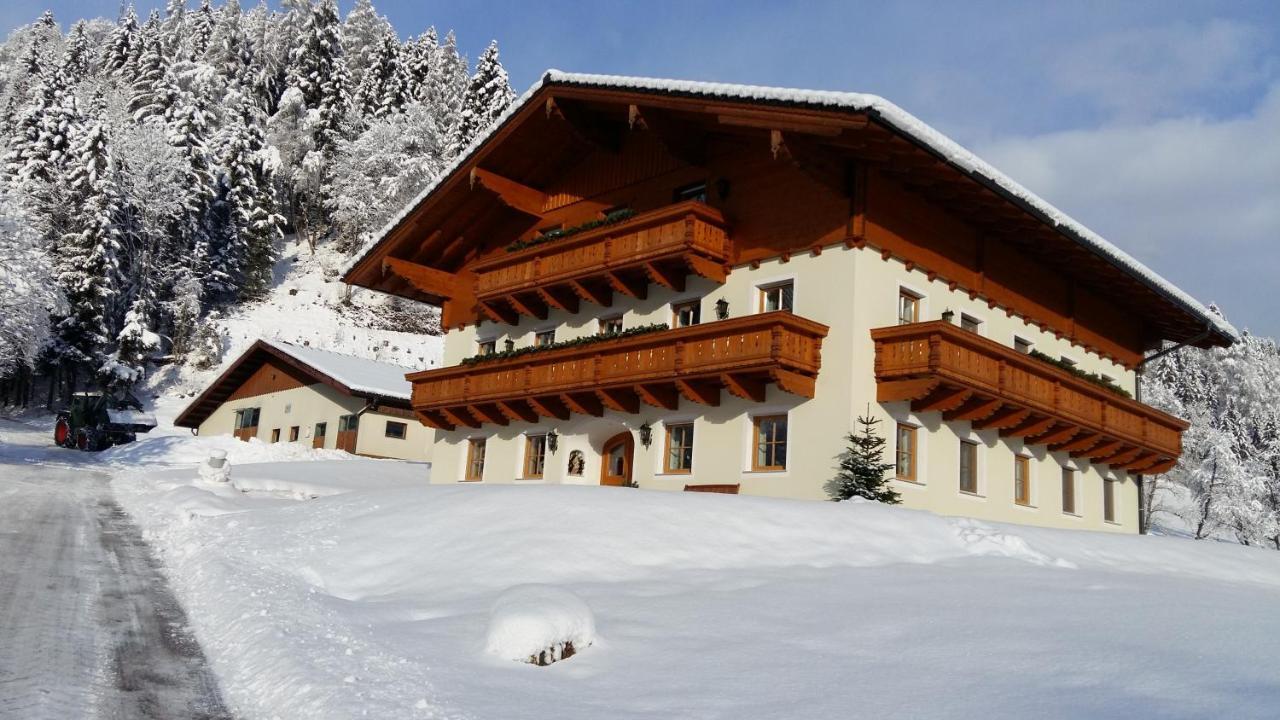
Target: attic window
693	191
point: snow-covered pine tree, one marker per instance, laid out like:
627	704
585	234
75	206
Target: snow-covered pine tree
319	71
121	44
174	27
76	58
152	92
487	97
27	291
420	56
231	51
39	149
385	89
447	84
199	31
136	341
362	35
862	471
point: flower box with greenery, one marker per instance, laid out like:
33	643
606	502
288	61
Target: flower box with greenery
611	218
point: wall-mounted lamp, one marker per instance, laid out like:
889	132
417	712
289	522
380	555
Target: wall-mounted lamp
553	441
509	344
646	435
722	309
948	315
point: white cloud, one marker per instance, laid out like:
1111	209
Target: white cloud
1197	199
1150	71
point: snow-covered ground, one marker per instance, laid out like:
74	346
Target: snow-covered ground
351	588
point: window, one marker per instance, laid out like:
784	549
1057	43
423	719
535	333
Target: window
1022	345
1068	361
486	347
611	325
1022	480
275	435
693	191
544	338
770	443
1109	500
968	467
475	460
679	448
776	297
1069	491
293	433
348	423
906	458
317	436
395	430
247	418
535	456
971	324
908	307
686	313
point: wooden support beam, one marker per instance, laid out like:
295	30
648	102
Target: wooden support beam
499	313
794	383
518	410
459	416
434	419
1161	467
585	125
1000	419
559	298
685	142
620	399
1142	462
549	407
628	285
811	159
593	292
783	121
424	279
662	275
743	386
1080	442
1056	435
1029	428
1122	458
942	399
583	403
975	409
898	390
659	395
1105	449
699	391
530	305
512	194
488	413
708	269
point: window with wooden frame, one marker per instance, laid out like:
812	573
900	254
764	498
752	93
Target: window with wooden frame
486	347
777	296
347	423
535	456
1109	500
684	314
906	453
679	455
247	418
294	432
395	430
969	323
969	467
908	307
1022	480
544	338
1068	491
275	435
321	429
611	325
475	460
770	442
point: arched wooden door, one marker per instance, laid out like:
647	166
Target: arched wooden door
615	462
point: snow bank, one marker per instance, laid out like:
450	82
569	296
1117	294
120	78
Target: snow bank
539	624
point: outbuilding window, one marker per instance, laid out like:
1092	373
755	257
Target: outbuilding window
396	430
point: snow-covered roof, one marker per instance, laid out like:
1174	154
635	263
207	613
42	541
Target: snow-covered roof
886	112
360	375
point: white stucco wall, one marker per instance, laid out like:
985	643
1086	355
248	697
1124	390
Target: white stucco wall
851	291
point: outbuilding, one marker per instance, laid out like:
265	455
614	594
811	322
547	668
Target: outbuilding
281	392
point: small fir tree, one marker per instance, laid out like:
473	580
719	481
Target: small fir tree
862	472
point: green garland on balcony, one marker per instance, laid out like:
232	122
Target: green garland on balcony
576	342
1094	378
612	218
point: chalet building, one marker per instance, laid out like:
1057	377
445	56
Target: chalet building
279	392
689	285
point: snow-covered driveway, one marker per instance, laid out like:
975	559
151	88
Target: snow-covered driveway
88	626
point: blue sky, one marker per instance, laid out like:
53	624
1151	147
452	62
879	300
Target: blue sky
1155	123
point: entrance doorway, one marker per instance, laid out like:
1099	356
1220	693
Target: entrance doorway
615	461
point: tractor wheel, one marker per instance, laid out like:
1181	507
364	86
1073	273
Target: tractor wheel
62	433
82	439
88	440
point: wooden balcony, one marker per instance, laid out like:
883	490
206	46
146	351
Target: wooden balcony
940	368
662	246
741	355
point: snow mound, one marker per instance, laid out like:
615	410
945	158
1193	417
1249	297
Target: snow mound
192	450
979	538
539	624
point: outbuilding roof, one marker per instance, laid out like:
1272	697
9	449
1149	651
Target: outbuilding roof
378	382
883	111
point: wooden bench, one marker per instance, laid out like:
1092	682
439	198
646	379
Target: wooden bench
726	489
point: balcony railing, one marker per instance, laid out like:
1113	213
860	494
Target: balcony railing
939	367
662	246
741	355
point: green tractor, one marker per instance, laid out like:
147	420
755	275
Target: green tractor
96	421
